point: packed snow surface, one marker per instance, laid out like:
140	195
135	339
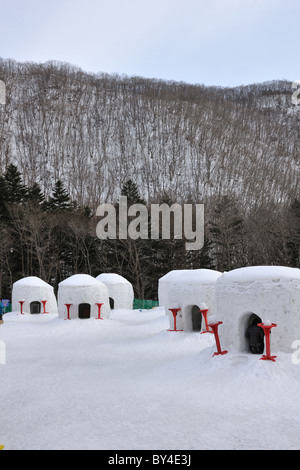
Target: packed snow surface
257	273
31	281
112	278
78	280
128	383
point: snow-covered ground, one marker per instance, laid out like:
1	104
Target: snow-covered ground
128	383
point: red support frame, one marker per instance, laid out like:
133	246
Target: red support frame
174	313
214	327
267	331
21	302
99	311
44	305
204	313
68	311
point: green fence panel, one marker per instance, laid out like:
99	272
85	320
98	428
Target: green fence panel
8	308
144	304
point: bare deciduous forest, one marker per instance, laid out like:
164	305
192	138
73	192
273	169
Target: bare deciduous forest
71	140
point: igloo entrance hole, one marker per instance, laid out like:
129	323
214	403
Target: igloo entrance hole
247	320
192	318
35	307
196	318
84	311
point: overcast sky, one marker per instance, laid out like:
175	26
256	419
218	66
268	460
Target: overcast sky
214	42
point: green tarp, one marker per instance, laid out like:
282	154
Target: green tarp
144	304
137	304
8	308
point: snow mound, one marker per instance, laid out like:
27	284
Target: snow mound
120	291
191	276
261	273
33	290
79	280
188	290
31	281
112	278
271	293
79	290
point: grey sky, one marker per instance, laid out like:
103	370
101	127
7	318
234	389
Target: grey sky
215	42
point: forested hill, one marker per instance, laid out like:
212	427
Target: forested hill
70	139
94	132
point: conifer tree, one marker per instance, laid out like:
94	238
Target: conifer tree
226	233
2	198
14	188
12	191
166	254
293	240
130	190
60	199
130	257
35	194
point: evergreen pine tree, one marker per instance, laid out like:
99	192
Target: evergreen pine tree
201	258
12	191
60	199
35	194
226	234
130	256
15	190
130	190
166	254
293	241
3	209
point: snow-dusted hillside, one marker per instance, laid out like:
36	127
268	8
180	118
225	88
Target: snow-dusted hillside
128	383
95	131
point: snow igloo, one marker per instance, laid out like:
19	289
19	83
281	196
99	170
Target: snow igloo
82	293
263	293
120	291
35	295
188	290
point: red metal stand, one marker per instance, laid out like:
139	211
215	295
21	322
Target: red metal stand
214	327
21	302
174	312
267	331
44	304
99	310
68	309
204	313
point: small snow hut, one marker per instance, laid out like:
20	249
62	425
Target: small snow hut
83	294
188	290
264	293
35	295
120	291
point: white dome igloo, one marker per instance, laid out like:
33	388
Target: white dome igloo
33	291
120	291
271	293
188	290
83	292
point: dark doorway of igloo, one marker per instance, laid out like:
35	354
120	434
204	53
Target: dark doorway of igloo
255	335
196	318
35	307
84	311
111	303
